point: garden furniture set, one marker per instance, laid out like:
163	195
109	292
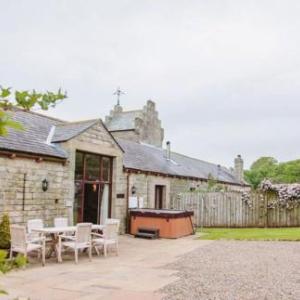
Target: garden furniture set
61	237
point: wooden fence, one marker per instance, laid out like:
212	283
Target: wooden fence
226	209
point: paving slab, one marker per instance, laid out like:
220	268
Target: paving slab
137	273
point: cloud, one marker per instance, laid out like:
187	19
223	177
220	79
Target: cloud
224	74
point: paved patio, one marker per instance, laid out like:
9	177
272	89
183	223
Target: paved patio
137	273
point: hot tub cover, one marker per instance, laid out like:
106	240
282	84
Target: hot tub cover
161	213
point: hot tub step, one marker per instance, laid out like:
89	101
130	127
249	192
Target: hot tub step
147	233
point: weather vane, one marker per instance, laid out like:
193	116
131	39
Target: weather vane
118	92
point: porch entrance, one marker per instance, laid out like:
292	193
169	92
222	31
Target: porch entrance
93	178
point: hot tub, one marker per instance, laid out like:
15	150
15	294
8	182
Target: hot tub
171	224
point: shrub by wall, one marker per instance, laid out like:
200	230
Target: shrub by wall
5	232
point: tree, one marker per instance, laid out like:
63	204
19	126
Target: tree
262	168
265	162
26	100
269	168
287	172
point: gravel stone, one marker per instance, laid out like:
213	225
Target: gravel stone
238	270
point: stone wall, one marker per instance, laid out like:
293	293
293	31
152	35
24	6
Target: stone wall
149	126
119	187
129	135
239	168
37	203
138	126
145	187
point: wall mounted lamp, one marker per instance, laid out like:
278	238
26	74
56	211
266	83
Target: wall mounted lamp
45	185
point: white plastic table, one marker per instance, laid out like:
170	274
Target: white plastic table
55	231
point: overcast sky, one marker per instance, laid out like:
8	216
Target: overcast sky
225	74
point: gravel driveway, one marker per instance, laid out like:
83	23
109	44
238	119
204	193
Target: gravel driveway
238	270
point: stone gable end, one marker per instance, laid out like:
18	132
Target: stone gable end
98	140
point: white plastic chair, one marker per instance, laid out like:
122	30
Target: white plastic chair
34	224
113	221
108	238
60	222
81	240
20	243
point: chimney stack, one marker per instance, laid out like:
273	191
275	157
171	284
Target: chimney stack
168	150
239	168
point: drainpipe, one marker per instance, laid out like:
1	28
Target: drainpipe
23	196
168	150
127	229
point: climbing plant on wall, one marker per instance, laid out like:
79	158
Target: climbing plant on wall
288	195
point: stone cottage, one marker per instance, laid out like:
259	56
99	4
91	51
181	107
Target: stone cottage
89	170
156	174
55	168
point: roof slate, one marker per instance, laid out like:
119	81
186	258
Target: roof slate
33	138
150	158
66	131
137	155
36	130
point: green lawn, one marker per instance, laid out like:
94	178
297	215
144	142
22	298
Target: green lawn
268	234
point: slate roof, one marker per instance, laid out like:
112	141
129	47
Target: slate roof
37	127
124	121
33	138
66	131
137	155
150	158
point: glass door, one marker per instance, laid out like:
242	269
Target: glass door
96	203
91	203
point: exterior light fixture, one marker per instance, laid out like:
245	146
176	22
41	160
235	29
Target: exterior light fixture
45	185
133	190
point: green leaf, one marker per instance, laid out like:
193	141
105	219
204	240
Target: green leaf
26	100
20	261
6	122
3	255
4	92
2	292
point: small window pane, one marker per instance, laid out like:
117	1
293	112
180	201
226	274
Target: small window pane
79	166
92	165
106	169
